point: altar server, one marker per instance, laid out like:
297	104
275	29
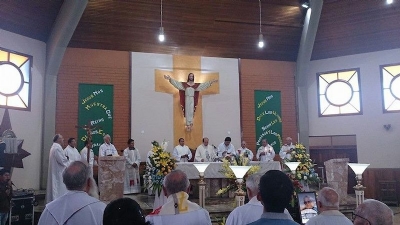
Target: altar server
182	152
71	152
132	177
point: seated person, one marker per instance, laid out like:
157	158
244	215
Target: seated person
205	152
244	151
226	149
123	211
178	209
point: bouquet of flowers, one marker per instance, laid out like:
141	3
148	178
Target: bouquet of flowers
160	163
228	173
305	171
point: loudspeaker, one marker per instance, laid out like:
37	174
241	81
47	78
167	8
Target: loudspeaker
21	210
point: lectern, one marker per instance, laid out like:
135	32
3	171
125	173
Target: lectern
111	177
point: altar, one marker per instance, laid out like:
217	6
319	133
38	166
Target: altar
215	180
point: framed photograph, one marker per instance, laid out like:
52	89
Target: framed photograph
307	205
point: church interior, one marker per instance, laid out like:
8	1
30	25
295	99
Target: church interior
335	65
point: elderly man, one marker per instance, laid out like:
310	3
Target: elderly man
373	212
182	152
328	205
265	152
243	150
205	152
132	177
107	149
76	206
287	149
276	191
251	211
226	149
178	209
71	152
57	164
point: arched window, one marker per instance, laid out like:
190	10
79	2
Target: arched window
390	76
15	80
339	93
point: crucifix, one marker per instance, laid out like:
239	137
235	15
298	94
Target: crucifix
191	130
88	128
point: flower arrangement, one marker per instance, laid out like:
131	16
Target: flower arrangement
160	163
228	173
305	171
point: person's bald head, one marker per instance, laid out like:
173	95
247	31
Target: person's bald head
373	212
328	199
175	182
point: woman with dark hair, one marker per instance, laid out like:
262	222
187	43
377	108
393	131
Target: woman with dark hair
124	211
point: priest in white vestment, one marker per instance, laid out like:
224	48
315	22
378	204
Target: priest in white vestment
287	149
57	164
92	158
189	93
226	149
251	211
182	152
244	151
71	152
76	206
265	152
132	177
107	149
205	152
178	209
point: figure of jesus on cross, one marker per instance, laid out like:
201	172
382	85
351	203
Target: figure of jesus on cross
189	95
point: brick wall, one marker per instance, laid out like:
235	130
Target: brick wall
272	76
96	67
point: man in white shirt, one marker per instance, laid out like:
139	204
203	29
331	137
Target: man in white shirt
328	205
182	152
226	149
71	152
251	211
92	158
243	150
372	212
265	152
57	164
76	206
107	149
132	177
178	209
205	152
287	149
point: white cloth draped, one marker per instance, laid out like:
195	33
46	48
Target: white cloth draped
72	154
132	177
75	207
92	162
179	211
57	163
107	149
230	150
206	153
269	153
179	151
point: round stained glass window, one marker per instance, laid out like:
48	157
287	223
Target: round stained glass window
339	93
13	77
395	87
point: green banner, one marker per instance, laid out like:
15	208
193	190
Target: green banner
95	109
268	118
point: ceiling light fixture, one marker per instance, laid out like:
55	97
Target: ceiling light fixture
161	36
389	2
260	36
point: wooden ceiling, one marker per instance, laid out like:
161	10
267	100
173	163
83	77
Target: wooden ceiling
220	28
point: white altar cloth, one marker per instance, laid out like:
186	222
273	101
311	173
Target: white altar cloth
213	169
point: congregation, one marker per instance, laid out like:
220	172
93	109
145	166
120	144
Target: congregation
73	196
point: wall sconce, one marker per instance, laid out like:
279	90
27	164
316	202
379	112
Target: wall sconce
201	167
239	172
359	169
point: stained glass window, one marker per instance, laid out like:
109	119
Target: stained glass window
390	77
